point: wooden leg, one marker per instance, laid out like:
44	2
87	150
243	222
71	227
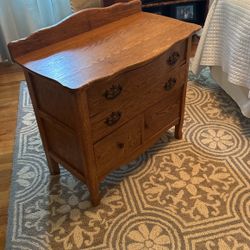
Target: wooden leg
178	131
53	166
94	194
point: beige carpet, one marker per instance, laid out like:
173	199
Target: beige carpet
180	194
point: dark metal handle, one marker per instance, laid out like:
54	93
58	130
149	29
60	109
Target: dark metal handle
113	92
113	118
170	84
172	60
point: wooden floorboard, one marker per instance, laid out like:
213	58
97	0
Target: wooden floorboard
10	77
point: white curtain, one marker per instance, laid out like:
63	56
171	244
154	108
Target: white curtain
19	18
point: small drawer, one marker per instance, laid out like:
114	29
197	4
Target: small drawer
162	114
114	148
176	55
144	96
105	94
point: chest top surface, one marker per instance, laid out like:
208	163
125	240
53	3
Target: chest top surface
104	51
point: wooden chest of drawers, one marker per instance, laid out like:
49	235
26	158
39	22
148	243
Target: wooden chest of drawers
105	86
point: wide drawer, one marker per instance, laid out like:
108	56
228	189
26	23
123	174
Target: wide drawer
162	114
104	94
115	148
145	94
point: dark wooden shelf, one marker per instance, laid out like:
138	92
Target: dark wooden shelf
172	9
169	2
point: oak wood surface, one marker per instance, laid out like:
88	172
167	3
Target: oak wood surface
116	148
144	94
135	40
81	22
162	113
133	81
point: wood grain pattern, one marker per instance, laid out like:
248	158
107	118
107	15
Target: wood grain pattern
147	88
115	148
80	60
52	164
145	52
81	22
62	102
162	113
141	79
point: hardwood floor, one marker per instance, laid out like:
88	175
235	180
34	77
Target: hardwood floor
10	77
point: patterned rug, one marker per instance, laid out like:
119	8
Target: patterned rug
180	194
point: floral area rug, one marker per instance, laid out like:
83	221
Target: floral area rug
192	193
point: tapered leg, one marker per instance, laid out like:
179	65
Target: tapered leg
95	196
53	166
178	131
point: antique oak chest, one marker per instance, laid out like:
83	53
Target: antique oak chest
105	84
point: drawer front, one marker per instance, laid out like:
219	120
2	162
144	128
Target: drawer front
156	88
175	56
162	114
102	95
114	148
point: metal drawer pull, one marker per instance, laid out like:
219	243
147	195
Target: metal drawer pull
113	92
172	60
113	118
170	84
